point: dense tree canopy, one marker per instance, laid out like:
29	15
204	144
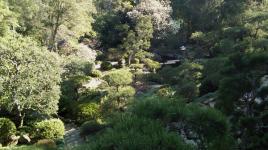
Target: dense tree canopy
30	77
134	74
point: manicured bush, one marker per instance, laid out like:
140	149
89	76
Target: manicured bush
136	66
117	99
155	107
90	95
106	65
166	92
49	129
151	65
7	129
119	77
88	111
76	66
96	73
91	127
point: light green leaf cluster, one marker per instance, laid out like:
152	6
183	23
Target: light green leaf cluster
29	76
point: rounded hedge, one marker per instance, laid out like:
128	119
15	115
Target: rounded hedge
151	65
106	65
166	92
7	129
88	111
49	129
119	77
96	73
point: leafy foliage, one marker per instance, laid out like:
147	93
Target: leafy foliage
30	77
87	112
118	77
91	127
132	132
49	129
7	129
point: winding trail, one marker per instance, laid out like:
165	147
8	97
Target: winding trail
72	136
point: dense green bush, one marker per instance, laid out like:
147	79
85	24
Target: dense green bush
210	126
132	132
151	65
106	65
88	111
47	144
96	73
49	129
118	99
136	66
70	94
90	95
91	127
76	66
155	107
166	92
119	77
7	129
118	92
187	78
153	77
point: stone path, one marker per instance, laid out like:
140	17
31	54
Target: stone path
92	83
72	136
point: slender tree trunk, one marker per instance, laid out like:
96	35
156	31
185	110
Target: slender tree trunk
55	32
22	116
130	57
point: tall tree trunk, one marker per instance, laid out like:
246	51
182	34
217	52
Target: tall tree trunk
22	116
54	33
130	57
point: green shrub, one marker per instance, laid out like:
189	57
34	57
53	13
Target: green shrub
136	66
166	92
69	94
188	90
155	107
106	65
90	95
96	73
154	77
76	66
209	124
88	111
136	61
7	129
25	129
117	99
91	127
49	129
119	77
152	65
132	132
47	144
